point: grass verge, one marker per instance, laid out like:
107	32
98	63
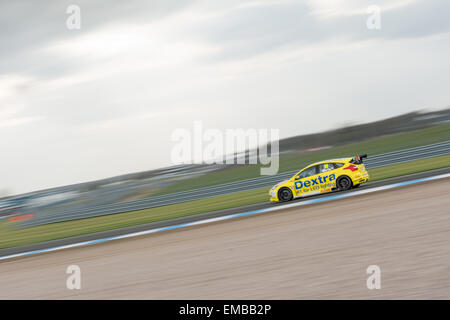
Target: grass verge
10	237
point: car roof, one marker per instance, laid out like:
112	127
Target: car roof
330	160
336	160
326	161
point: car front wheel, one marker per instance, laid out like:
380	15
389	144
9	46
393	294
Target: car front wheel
285	194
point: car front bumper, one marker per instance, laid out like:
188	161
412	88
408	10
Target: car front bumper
273	196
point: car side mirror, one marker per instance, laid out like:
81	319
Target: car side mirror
297	178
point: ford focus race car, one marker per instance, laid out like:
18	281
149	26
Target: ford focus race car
321	177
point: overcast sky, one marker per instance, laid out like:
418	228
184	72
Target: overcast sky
79	105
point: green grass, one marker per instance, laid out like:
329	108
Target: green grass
10	237
296	162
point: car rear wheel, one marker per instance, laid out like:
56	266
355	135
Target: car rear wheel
344	183
285	194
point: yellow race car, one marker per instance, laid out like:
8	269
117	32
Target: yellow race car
321	177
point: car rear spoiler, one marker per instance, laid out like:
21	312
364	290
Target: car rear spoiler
358	159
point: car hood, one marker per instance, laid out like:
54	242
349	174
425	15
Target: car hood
282	182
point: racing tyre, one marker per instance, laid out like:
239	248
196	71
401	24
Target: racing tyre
285	194
344	183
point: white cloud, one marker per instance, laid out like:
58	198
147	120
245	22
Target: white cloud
11	117
335	8
10	84
113	124
13	122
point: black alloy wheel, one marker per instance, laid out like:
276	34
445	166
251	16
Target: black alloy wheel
285	194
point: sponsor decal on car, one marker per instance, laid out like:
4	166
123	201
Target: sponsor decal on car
317	181
351	167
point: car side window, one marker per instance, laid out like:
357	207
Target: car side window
324	167
309	172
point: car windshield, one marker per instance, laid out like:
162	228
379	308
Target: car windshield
308	172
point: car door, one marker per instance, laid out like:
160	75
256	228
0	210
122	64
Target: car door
305	182
327	175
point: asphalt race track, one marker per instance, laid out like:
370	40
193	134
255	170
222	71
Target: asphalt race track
317	251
